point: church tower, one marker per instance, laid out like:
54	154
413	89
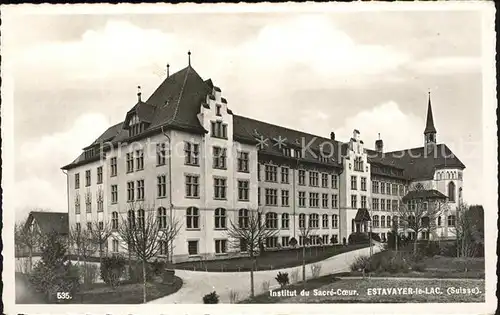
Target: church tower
430	130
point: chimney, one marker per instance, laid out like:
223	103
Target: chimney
139	93
379	144
355	134
332	135
168	70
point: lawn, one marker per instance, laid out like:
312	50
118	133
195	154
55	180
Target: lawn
361	291
269	260
100	293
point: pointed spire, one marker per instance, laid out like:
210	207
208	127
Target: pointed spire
139	93
189	58
429	127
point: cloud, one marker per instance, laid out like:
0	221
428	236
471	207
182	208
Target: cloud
446	65
40	182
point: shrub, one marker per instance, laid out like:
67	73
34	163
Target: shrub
420	267
393	264
136	275
360	263
358	238
293	242
211	298
375	237
429	249
391	240
295	275
112	269
449	250
90	273
315	270
282	279
233	296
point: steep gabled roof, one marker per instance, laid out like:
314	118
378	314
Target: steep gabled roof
427	194
362	215
49	221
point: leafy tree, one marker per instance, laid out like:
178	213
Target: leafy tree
112	269
469	229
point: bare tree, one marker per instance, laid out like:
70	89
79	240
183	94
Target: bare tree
247	235
27	237
100	234
469	229
419	209
306	233
83	244
144	233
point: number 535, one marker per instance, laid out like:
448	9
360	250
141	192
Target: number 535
63	296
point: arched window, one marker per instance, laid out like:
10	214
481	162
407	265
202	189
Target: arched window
375	221
192	218
114	220
353	225
271	220
451	191
451	220
220	218
302	220
131	219
313	220
140	218
335	221
324	221
285	221
439	221
425	221
382	221
388	221
243	218
448	175
162	218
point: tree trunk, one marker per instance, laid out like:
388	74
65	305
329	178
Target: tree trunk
144	281
30	253
252	290
304	263
415	245
129	264
100	253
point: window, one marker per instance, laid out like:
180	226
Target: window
363	183
382	188
451	192
130	162
192	218
89	226
243	219
271	173
395	221
243	161
401	190
302	199
334	181
324	221
324	239
163	248
313	179
115	246
131	219
302	241
335	221
140	218
287	151
354	183
324	180
258	172
335	201
298	153
87	178
285	241
161	153
324	200
100	225
388	220
88	202
219	158
130	191
191	153
192	248
140	189
284	175
395	189
243	188
394	205
374	187
219	130
77	204
271	220
258	196
302	220
220	246
192	186
100	200
243	245
162	218
314	220
220	218
354	201
375	221
272	242
285	221
451	220
358	164
375	204
77	180
161	186
363	202
220	188
439	221
285	198
388	188
302	177
314	200
388	205
99	175
114	166
271	197
382	221
114	193
382	204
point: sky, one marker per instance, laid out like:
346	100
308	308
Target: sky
76	75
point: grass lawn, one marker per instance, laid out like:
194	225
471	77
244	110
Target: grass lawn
100	293
269	260
361	291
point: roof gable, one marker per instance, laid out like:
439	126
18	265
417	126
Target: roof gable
49	221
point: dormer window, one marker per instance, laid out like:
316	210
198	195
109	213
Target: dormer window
135	126
217	110
287	151
298	153
219	130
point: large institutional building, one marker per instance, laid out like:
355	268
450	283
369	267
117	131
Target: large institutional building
184	154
